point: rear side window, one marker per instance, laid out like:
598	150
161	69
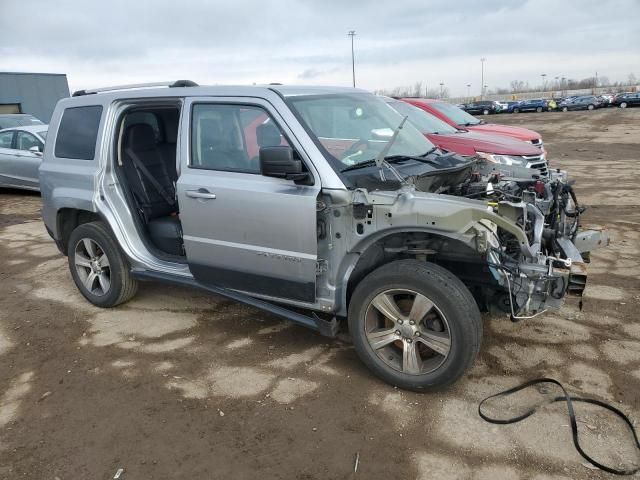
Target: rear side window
78	132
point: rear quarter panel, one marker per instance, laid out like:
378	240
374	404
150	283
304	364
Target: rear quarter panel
64	182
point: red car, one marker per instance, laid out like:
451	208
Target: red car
458	118
495	148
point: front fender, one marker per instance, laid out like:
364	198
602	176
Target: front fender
445	215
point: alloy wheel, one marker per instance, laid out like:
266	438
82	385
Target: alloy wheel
407	331
92	266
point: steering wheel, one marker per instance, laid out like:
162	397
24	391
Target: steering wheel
354	150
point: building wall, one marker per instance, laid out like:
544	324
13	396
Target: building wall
37	93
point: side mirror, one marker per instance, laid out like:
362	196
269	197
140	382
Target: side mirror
36	150
278	162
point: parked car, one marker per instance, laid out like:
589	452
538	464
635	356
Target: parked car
533	105
460	119
626	100
495	148
483	107
585	102
508	106
347	211
20	156
10	120
605	100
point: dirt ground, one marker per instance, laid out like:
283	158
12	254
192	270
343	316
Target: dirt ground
178	384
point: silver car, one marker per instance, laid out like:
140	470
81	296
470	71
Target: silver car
317	204
20	156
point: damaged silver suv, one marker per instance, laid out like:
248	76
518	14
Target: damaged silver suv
314	204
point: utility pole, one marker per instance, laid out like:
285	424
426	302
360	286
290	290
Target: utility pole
441	89
352	33
482	60
468	91
544	85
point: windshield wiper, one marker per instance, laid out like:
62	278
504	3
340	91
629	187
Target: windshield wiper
389	144
421	158
366	163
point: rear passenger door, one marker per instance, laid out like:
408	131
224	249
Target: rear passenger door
242	230
26	165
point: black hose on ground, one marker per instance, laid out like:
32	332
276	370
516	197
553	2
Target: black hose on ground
572	418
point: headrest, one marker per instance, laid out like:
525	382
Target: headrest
268	135
140	137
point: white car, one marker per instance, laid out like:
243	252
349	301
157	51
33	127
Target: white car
20	156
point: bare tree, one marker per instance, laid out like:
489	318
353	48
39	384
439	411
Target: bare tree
417	89
517	86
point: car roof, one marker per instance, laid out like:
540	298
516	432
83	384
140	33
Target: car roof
213	90
5	115
28	128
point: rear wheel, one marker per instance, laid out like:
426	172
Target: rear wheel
591	107
623	105
539	109
415	325
485	112
565	109
516	110
98	267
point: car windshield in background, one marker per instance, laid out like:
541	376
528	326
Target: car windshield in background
354	128
18	121
423	121
456	114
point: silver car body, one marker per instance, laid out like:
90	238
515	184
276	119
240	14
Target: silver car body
18	163
259	230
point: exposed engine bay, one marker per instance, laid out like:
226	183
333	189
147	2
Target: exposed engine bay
525	226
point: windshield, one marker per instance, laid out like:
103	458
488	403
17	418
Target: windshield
456	114
354	127
423	121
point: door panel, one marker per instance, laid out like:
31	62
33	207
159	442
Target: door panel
242	230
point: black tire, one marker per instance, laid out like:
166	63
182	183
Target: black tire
623	104
516	110
122	286
485	112
539	109
565	109
590	107
450	297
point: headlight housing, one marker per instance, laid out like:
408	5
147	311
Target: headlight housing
502	159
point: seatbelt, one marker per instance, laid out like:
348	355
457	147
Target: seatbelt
140	166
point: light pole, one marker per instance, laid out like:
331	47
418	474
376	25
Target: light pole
352	33
482	60
441	89
544	86
468	91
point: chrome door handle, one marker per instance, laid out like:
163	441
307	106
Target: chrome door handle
202	193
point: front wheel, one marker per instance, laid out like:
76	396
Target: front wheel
565	109
539	109
591	107
516	110
415	325
98	267
485	112
623	105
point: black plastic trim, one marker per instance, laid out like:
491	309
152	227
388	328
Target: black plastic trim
328	328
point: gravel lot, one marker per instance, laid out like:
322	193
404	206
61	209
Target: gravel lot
179	384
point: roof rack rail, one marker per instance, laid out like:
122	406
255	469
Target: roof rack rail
174	84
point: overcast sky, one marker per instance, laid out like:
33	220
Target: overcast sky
107	42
